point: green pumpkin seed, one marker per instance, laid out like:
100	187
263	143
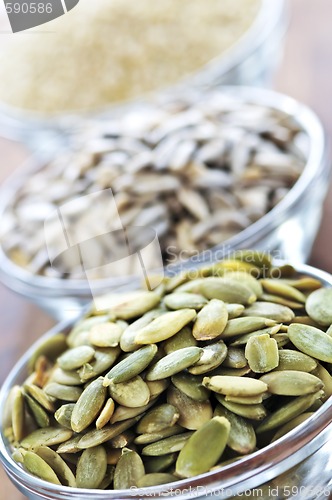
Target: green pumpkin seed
184	338
76	357
227	290
193	414
230	372
128	471
41	417
276	299
88	405
132	365
99	436
127	341
291	425
157	387
51	348
158	436
18	413
182	300
154	479
40	396
108	478
65	377
124	413
58	465
164	326
269	310
326	379
249	400
91	468
63	392
174	363
235	386
234	310
104	358
113	456
253	412
311	341
243	339
282	339
235	358
212	357
38	467
128	305
191	386
295	360
289	411
105	414
134	393
204	448
241	326
63	415
122	440
70	446
230	266
262	353
158	419
305	283
259	259
248	280
105	334
159	464
242	437
211	320
48	436
319	306
291	383
278	288
167	445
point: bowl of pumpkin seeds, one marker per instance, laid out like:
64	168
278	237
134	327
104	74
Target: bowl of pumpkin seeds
207	171
218	383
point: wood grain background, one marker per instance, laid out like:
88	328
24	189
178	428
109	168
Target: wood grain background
305	73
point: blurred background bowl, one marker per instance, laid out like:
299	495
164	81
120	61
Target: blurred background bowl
298	465
287	231
252	60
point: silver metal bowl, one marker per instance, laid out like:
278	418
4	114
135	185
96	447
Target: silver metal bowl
298	465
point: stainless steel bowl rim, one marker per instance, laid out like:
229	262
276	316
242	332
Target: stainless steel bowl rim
251	470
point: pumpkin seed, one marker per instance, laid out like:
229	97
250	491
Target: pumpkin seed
105	334
134	393
65	377
319	306
269	310
242	437
164	326
157	387
183	300
291	425
63	392
249	400
311	341
48	436
262	353
241	326
227	290
174	363
63	415
235	386
247	279
88	405
51	348
211	320
70	446
212	357
58	465
204	448
99	436
276	299
184	338
40	415
167	445
127	341
39	395
91	467
156	478
158	436
326	379
191	386
278	288
123	440
295	360
234	310
122	413
292	383
127	305
193	414
105	414
104	358
18	413
159	464
235	358
38	467
132	365
76	357
289	411
253	412
243	339
128	471
158	419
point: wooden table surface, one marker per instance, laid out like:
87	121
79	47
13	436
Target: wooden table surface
305	73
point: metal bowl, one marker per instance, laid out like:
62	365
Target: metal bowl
298	465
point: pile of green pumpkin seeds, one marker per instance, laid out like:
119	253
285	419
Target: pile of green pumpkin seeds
167	384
